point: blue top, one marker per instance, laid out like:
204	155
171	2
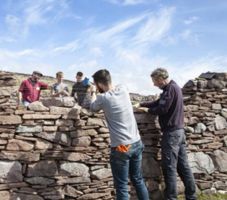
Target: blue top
169	107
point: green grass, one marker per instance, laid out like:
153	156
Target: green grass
209	197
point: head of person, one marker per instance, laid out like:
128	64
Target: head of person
102	80
36	75
79	76
160	77
59	76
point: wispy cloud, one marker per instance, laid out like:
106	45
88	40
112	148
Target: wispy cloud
156	27
189	36
33	13
191	20
69	47
127	2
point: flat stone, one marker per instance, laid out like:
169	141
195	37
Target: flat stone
64	122
50	128
5	195
43	144
82	141
20	196
7	91
220	122
40	116
216	106
224	113
191	108
74	180
10	119
74	169
56	137
23	156
83	132
75	156
95	122
201	163
40	181
19	145
3	142
71	191
28	129
37	106
221	160
92	196
103	130
68	101
189	129
59	110
11	171
102	173
43	168
200	128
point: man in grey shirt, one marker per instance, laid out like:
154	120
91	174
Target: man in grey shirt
126	145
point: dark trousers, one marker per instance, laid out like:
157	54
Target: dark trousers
174	159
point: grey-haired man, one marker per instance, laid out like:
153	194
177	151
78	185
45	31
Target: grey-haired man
170	109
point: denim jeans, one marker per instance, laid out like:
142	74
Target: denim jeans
174	159
124	164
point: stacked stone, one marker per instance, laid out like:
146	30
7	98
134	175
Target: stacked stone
151	136
206	128
8	93
57	150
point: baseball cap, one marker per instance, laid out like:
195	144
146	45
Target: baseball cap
38	73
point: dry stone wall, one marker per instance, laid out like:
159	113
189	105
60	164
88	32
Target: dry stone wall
206	128
57	150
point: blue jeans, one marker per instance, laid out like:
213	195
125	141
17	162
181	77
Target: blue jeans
174	159
124	164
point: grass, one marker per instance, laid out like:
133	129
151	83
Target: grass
209	197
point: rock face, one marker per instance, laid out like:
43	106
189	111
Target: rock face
57	150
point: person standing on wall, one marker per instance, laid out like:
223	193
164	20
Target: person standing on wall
170	109
126	145
30	89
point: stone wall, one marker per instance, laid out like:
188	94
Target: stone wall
57	150
206	128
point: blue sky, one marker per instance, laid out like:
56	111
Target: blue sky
130	38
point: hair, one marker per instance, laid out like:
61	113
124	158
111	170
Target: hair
102	76
79	74
160	73
59	74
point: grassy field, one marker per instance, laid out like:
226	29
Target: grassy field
209	197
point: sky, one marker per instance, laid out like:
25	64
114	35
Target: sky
130	38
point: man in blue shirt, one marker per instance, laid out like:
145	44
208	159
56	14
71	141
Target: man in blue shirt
170	109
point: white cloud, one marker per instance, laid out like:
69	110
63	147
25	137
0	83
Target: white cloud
156	27
34	13
191	20
69	47
127	2
189	36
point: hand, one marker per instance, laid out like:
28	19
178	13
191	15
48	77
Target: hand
140	110
136	105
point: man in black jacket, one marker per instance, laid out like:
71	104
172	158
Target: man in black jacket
170	109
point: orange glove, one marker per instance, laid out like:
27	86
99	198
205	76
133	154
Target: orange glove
123	148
